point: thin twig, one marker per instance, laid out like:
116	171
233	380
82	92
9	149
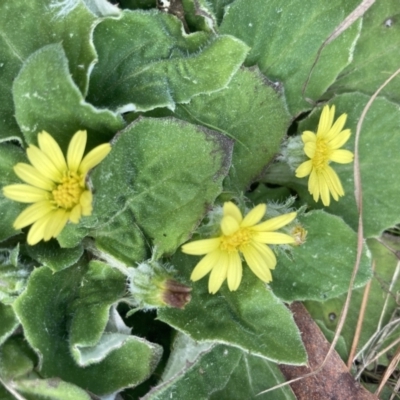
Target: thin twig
360	320
389	370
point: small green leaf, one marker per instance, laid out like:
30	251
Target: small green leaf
218	372
16	359
219	7
189	163
51	255
46	98
9	210
252	318
9	322
375	57
151	63
321	267
199	16
28	26
285	39
46	310
253	113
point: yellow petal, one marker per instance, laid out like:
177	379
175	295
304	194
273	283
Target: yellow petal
304	169
36	233
333	182
25	193
32	176
94	157
56	224
275	223
51	148
342	156
32	213
76	149
200	247
254	216
324	190
43	163
218	273
232	210
267	254
340	139
336	128
86	202
313	185
272	238
229	225
205	265
257	264
326	120
75	214
309	149
308	136
235	271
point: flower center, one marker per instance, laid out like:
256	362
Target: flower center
234	241
67	194
322	154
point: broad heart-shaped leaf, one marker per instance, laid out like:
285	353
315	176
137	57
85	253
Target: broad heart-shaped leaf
252	318
253	113
146	61
328	312
9	322
221	372
9	210
379	162
375	56
285	39
51	255
165	173
46	98
28	26
46	310
321	267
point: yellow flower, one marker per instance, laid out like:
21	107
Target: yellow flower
322	148
55	185
247	236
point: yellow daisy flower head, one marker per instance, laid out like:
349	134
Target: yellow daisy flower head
322	148
238	236
55	185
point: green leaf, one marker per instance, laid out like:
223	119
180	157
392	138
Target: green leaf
151	63
46	98
329	311
16	359
54	389
9	210
321	267
9	322
199	16
46	310
28	26
219	7
252	318
14	274
189	163
285	39
102	286
52	256
375	56
219	372
379	142
253	113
